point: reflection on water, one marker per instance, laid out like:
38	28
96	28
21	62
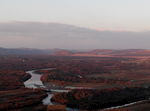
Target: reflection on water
34	81
47	100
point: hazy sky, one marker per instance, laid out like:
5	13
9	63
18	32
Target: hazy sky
34	24
118	15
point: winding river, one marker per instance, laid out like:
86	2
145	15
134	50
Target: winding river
35	82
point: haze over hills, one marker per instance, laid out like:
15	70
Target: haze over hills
65	52
55	35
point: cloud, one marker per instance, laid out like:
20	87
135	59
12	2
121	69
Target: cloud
54	35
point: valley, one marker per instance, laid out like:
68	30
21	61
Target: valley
85	77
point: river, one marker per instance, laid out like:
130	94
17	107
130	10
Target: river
35	82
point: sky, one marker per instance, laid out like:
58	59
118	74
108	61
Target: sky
114	15
75	24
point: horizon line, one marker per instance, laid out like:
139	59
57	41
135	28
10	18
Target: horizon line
75	49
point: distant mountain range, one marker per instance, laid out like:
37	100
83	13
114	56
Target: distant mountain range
22	51
63	52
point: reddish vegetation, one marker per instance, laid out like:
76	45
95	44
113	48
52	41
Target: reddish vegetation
13	95
118	110
19	98
109	71
56	108
95	72
12	79
97	99
106	53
